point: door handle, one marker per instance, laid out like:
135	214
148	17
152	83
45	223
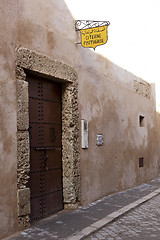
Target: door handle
46	160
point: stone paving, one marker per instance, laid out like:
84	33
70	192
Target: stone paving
78	224
143	223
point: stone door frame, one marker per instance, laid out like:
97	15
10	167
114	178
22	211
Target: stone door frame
40	65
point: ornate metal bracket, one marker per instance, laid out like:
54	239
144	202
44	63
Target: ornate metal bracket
84	24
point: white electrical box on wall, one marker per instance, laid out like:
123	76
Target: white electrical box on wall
84	133
99	139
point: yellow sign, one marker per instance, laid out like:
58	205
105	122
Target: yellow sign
93	37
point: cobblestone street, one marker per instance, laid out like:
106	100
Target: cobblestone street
143	223
131	214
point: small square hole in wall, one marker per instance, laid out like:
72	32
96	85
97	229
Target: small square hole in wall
140	162
141	121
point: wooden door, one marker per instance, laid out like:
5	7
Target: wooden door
45	147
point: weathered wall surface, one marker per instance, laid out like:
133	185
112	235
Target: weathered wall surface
8	121
109	98
115	112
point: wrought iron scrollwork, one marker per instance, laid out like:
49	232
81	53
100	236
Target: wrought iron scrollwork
84	24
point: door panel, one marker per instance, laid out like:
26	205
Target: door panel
37	157
48	115
37	209
35	188
55	199
51	92
52	135
34	108
45	147
55	155
52	180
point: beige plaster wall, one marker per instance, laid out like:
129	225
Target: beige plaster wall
107	99
114	112
8	121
